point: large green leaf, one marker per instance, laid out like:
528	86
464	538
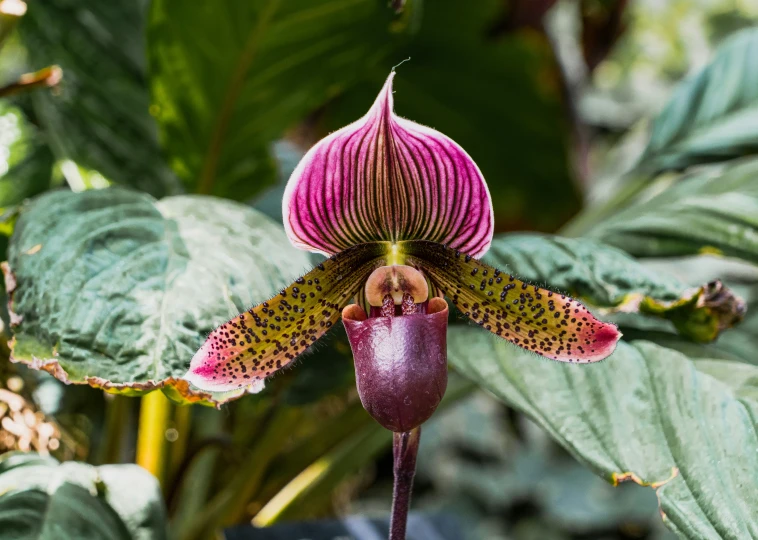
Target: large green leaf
647	414
483	464
99	114
115	289
712	116
711	211
229	77
502	103
41	499
611	281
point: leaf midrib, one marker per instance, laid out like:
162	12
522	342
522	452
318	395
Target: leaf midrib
244	62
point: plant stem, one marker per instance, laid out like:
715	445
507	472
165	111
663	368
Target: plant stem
44	78
350	450
311	488
154	413
404	450
279	428
229	506
307	451
193	482
182	423
117	424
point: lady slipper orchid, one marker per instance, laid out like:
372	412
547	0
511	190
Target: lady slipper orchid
403	213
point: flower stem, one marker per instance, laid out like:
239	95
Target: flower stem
177	449
404	449
155	411
117	423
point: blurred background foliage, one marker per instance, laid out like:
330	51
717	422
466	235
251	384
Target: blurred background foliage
553	100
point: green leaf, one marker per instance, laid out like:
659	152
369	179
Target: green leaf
712	211
98	116
229	78
26	162
611	281
41	499
712	116
647	414
117	290
485	461
502	102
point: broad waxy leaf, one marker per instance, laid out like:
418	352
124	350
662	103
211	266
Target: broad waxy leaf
601	274
474	454
712	211
647	414
117	290
98	115
611	281
41	499
228	78
712	116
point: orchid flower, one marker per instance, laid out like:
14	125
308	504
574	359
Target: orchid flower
403	213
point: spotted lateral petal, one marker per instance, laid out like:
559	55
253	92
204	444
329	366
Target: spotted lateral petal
545	322
387	178
267	337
